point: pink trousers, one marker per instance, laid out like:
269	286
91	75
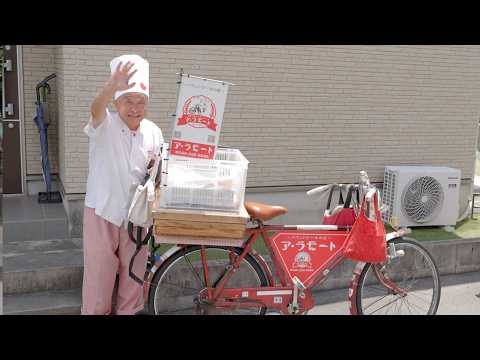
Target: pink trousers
107	251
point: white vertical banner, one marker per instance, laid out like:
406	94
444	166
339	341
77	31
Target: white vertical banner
198	120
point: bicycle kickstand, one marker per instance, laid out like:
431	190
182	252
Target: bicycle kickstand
298	290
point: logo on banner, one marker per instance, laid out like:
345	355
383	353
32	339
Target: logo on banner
199	111
302	260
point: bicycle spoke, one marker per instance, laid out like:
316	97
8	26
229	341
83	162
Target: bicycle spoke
408	287
376	301
407	304
401	306
172	285
391	302
408	276
377	288
414	305
176	311
179	287
387	310
424	284
418	297
414	272
397	305
193	270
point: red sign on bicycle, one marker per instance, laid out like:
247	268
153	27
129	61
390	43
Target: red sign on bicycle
304	253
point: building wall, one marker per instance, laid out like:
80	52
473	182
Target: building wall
60	69
478	139
302	115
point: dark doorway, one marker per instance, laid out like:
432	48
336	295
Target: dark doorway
11	140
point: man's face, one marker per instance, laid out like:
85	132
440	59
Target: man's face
132	108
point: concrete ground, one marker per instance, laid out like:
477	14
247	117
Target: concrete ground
1	245
1	267
476	189
460	296
476	179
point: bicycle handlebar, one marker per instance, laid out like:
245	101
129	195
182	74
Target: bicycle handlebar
370	194
364	186
364	179
364	182
318	190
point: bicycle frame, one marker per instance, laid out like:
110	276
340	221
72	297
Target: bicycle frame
278	296
297	273
291	296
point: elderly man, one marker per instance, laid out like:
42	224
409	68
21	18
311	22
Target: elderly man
121	145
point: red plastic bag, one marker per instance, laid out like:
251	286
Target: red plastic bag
366	242
345	215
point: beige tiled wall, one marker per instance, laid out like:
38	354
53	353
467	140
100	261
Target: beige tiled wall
301	114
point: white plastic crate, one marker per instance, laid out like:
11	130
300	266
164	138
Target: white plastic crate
204	184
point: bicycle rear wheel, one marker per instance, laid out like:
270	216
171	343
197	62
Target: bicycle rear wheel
178	282
415	272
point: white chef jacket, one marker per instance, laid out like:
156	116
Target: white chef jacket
118	159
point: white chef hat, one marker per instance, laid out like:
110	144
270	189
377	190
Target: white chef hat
140	78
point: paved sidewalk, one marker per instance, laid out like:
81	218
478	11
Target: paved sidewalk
460	296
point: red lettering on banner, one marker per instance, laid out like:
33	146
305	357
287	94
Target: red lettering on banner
193	150
197	121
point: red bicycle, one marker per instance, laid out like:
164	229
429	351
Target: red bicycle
206	279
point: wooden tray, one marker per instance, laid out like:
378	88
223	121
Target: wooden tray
190	240
201	223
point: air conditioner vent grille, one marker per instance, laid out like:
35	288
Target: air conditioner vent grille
388	196
422	198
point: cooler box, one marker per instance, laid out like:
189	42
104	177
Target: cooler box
199	184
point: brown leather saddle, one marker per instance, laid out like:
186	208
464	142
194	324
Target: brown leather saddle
264	212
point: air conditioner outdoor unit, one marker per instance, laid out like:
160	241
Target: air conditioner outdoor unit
421	195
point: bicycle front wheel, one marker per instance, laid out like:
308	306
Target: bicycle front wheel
415	272
177	284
